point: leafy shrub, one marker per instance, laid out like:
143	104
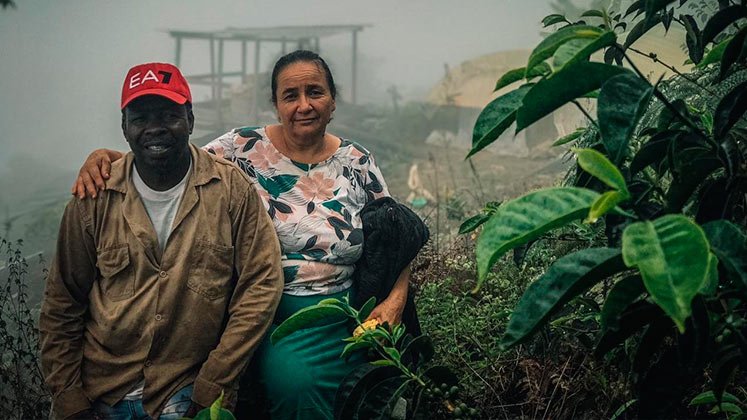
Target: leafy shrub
669	189
22	391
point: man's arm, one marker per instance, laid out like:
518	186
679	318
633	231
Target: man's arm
65	304
255	297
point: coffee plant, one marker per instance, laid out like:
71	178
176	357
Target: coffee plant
666	178
399	372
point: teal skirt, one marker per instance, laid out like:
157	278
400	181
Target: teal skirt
300	374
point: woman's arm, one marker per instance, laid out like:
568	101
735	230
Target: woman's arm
94	171
390	309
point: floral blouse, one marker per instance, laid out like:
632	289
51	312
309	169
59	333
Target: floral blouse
315	208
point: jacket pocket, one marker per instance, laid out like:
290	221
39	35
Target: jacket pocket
117	280
212	276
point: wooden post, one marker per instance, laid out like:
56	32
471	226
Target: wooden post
243	61
219	85
178	58
354	67
255	88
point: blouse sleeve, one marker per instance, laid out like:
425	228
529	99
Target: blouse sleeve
375	185
224	146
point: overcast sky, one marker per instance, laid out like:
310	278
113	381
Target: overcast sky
62	62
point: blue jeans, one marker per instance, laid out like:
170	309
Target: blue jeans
174	409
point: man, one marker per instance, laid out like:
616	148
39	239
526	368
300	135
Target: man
164	284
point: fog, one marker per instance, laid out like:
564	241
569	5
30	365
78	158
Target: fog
62	64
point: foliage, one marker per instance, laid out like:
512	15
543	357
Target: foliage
400	368
666	176
215	411
22	391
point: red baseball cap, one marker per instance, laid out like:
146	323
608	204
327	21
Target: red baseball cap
161	79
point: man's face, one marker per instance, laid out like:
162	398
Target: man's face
157	130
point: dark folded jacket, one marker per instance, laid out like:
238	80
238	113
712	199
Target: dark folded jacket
393	235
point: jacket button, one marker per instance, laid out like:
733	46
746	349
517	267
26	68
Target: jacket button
148	363
163	274
159	317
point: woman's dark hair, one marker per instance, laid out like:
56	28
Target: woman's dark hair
301	56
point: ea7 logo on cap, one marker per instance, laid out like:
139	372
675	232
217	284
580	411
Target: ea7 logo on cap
136	80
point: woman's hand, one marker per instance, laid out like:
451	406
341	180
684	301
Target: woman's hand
93	173
390	309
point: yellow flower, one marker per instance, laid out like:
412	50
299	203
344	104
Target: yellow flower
368	325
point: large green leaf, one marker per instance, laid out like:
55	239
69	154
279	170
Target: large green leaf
552	42
565	279
715	54
601	168
495	118
622	101
562	87
622	294
515	75
732	53
527	217
729	242
307	317
729	110
672	255
721	20
580	49
606	202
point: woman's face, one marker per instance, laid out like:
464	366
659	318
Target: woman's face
304	102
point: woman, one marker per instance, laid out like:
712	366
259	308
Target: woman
313	184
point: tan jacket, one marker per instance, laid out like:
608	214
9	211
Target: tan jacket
115	310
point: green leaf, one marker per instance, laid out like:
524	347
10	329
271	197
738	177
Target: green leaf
606	202
570	137
568	277
305	318
515	75
672	254
215	411
495	118
473	223
580	49
601	168
593	13
622	101
732	52
711	284
726	408
549	45
654	6
729	110
562	87
623	408
715	54
622	294
709	397
552	20
526	218
721	20
383	362
366	309
352	347
729	242
693	39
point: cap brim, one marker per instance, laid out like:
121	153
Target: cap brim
168	94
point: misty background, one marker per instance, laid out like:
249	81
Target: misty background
62	64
